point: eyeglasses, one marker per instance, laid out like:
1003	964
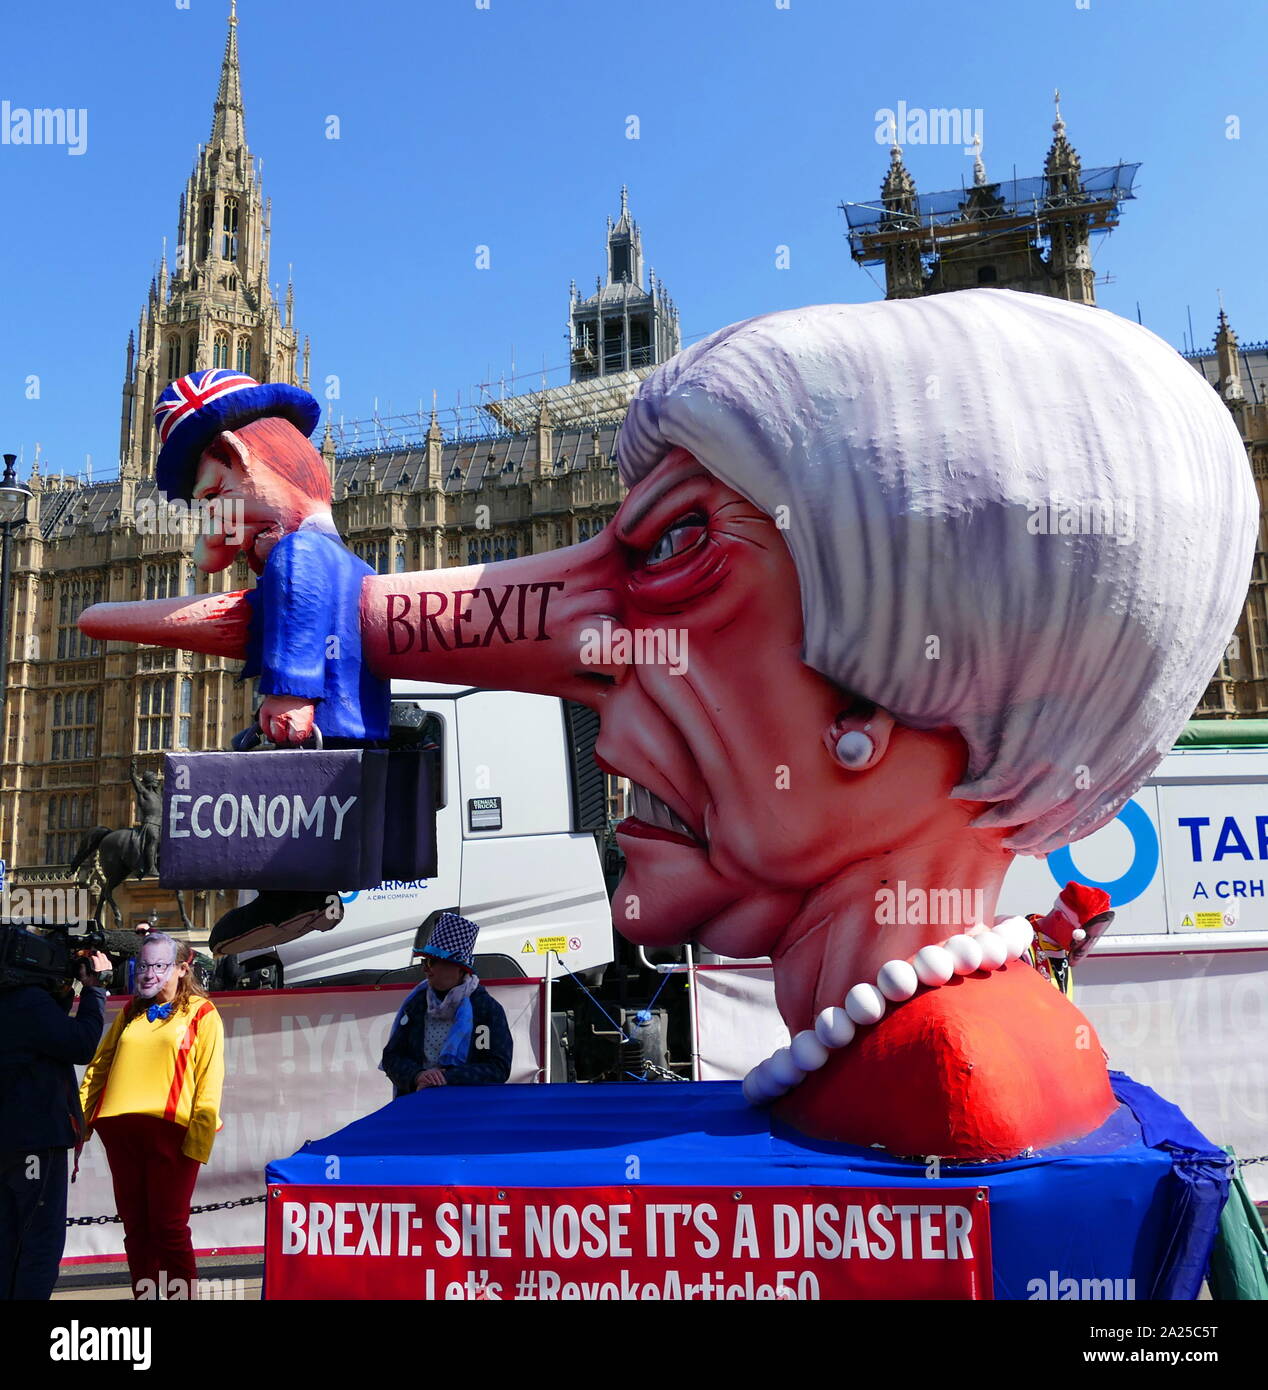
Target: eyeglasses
149	968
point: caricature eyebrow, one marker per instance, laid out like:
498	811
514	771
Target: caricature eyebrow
655	494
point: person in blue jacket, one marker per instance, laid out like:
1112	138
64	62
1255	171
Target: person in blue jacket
450	1031
41	1119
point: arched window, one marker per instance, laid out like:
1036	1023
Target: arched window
154	725
243	363
79	708
57	709
209	222
173	358
220	351
191	353
233	282
229	225
400	557
182	728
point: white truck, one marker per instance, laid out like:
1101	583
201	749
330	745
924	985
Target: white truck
1185	861
519	803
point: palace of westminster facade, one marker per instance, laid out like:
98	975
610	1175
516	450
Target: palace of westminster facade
539	476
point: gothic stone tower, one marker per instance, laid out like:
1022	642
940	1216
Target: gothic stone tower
622	326
1031	234
216	308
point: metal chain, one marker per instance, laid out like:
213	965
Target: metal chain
193	1211
263	1197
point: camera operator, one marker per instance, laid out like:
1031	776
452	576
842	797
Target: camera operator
40	1118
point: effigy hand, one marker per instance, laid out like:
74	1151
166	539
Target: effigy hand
287	719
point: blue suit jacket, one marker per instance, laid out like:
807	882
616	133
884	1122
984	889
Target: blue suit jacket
305	635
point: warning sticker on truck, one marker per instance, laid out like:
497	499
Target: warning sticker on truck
546	944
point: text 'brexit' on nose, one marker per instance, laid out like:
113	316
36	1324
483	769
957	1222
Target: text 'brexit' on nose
435	619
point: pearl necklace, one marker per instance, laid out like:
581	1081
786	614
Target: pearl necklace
980	948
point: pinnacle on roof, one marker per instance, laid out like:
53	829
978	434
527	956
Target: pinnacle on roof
228	125
1062	157
1222	324
979	169
899	188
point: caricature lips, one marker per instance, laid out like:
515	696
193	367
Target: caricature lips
653	820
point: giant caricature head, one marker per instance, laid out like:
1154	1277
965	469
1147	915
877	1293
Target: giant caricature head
913	586
1018	528
258	482
898	590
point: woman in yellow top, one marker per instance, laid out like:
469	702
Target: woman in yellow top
153	1094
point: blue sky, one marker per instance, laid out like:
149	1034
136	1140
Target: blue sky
506	125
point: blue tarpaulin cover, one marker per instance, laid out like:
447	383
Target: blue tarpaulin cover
1138	1200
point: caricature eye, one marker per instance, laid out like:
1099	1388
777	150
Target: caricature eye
685	533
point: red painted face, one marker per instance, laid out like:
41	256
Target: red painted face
734	744
719	720
248	505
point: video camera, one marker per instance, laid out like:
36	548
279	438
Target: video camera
37	952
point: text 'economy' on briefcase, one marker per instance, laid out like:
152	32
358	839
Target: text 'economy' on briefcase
287	819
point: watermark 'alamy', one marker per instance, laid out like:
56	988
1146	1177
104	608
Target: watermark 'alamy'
215	516
642	646
1092	516
919	125
1080	1290
48	906
936	907
45	125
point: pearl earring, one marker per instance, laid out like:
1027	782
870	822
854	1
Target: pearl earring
854	749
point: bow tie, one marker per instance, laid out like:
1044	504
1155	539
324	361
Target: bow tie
158	1011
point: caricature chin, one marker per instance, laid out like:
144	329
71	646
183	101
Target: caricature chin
147	991
671	893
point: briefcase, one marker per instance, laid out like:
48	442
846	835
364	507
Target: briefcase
409	823
291	819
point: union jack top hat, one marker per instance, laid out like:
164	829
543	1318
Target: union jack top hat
194	409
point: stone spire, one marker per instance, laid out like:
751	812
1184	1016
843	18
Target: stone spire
979	169
1229	364
216	309
904	269
1063	165
435	449
228	125
898	192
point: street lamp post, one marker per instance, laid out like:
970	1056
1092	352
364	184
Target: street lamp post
14	497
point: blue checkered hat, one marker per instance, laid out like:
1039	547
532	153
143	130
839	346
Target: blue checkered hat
452	938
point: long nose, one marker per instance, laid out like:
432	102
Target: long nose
515	625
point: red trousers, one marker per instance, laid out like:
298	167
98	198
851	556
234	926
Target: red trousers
153	1188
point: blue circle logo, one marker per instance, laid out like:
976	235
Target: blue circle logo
1140	872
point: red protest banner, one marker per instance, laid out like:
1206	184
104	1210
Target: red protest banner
337	1242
